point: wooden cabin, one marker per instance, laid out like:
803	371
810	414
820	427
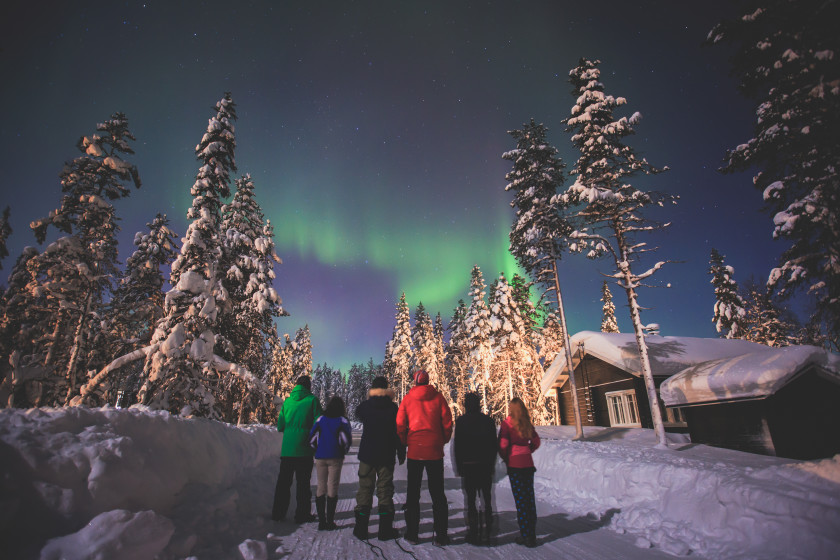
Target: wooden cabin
608	376
772	401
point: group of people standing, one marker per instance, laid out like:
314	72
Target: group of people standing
417	431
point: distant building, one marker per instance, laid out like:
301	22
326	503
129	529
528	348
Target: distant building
611	391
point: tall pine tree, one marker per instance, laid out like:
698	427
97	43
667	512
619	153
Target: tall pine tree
610	206
478	343
401	350
786	59
729	309
609	324
539	235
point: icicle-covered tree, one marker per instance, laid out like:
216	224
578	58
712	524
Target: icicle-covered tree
478	343
609	324
729	309
610	207
5	232
786	59
539	234
74	274
401	350
457	356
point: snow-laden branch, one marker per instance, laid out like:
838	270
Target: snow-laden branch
94	382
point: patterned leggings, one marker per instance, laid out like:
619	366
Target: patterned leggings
522	485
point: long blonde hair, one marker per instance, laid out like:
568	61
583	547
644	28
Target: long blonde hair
520	418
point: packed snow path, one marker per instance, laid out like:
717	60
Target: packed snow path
560	535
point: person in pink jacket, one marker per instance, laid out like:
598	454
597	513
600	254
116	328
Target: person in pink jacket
517	441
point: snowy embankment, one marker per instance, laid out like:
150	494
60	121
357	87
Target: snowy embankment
695	500
135	484
63	467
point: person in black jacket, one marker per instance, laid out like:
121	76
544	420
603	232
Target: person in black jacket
474	453
377	449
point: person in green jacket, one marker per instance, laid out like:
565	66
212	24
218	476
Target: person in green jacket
298	413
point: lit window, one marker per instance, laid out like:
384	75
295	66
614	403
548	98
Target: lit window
623	409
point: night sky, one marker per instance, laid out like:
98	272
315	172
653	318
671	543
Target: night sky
374	133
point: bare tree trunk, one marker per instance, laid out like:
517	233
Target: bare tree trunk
567	346
635	316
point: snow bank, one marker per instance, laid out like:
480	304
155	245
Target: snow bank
62	468
694	500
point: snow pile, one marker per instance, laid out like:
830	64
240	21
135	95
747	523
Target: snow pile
694	500
64	468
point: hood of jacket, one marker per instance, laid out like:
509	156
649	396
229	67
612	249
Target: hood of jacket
423	392
299	392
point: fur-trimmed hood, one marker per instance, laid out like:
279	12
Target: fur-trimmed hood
382	393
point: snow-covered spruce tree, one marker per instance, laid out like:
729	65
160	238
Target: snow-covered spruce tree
137	304
74	274
540	232
425	344
5	232
457	357
281	372
478	343
182	372
763	321
246	324
23	326
609	324
729	309
248	262
401	350
444	377
302	353
610	207
787	58
506	330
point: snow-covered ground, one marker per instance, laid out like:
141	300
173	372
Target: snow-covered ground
136	484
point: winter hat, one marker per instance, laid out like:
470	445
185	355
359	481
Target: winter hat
305	381
379	383
421	377
472	402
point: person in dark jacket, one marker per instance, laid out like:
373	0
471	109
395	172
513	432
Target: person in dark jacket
331	438
517	442
474	454
424	424
377	449
298	413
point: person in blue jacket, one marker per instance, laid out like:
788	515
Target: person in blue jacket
330	437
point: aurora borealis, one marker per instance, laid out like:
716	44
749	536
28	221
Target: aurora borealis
374	132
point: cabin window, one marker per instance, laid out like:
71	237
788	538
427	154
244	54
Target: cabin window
674	416
623	409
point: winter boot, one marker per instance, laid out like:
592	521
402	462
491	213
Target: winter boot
485	525
360	531
386	527
412	525
473	527
320	507
332	502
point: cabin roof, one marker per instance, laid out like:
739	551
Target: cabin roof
669	355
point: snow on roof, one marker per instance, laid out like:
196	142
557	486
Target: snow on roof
668	354
755	374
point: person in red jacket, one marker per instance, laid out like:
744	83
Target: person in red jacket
517	441
424	424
